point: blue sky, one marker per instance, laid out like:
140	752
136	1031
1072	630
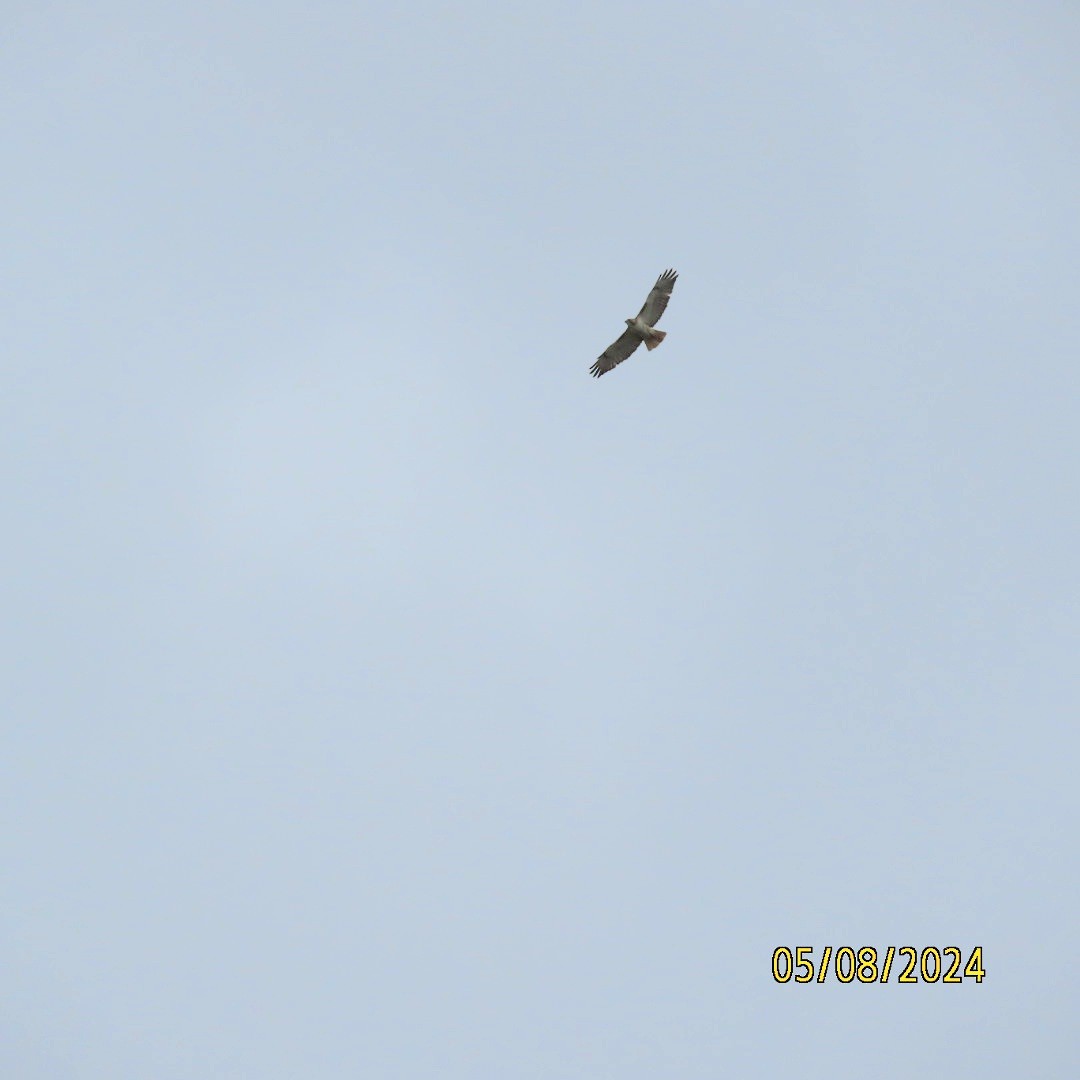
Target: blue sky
386	697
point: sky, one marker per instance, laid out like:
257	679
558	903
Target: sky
385	697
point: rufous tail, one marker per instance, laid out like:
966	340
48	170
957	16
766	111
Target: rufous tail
654	339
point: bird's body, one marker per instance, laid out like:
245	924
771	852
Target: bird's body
651	337
639	328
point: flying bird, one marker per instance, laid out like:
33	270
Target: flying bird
639	329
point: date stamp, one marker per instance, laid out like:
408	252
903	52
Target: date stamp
908	964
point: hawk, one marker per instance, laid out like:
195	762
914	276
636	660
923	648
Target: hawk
639	329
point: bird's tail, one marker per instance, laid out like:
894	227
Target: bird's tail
654	338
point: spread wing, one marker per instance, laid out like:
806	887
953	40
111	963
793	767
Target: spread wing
617	351
658	298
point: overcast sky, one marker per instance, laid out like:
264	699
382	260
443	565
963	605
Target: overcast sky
388	698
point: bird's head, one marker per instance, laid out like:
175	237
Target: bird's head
629	322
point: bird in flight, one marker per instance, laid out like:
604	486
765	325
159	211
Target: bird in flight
639	329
